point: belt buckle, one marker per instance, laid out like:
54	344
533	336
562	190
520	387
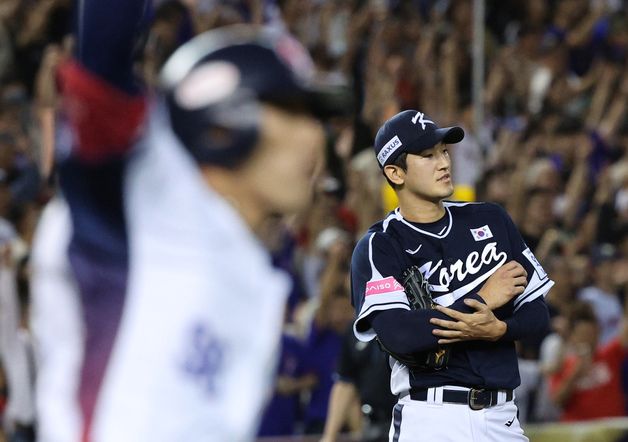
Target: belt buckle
475	395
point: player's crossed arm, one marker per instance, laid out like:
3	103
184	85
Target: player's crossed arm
508	282
480	325
383	311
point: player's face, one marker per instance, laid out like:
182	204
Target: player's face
428	174
284	165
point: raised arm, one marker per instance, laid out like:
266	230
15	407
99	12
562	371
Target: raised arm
106	39
102	100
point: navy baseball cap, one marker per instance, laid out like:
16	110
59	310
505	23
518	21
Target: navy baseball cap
411	131
219	78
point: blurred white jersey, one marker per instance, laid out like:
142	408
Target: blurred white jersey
15	354
194	351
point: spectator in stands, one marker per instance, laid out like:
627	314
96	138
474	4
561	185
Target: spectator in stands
552	351
16	352
324	339
362	381
282	412
588	383
603	295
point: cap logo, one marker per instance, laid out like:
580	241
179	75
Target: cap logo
419	116
388	149
207	84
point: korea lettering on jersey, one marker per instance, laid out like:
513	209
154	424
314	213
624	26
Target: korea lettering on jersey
474	241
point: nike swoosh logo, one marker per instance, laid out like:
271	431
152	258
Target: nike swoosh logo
414	252
509	423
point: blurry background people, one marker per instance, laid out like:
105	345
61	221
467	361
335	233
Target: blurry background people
603	294
324	339
360	400
16	348
587	384
282	414
553	146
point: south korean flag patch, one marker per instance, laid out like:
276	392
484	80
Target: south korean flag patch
481	233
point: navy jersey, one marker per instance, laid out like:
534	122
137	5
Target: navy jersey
456	255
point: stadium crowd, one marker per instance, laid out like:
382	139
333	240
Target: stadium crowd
552	149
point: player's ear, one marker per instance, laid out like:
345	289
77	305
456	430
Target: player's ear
395	174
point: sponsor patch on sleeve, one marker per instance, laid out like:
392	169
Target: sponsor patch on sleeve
537	265
382	286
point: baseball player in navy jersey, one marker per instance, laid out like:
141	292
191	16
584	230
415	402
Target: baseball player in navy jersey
486	284
157	310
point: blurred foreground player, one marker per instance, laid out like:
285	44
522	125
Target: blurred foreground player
157	310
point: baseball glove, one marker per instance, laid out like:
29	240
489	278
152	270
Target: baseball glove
420	297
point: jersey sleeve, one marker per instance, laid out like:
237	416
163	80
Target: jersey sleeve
101	99
539	283
104	120
374	272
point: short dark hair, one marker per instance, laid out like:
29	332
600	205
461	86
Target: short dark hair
401	162
580	311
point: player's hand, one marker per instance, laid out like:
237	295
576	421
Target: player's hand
479	325
507	282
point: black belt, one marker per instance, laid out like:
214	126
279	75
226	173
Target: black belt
476	398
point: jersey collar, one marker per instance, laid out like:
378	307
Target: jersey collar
442	234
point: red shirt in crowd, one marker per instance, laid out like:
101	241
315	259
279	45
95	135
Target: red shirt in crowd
598	393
